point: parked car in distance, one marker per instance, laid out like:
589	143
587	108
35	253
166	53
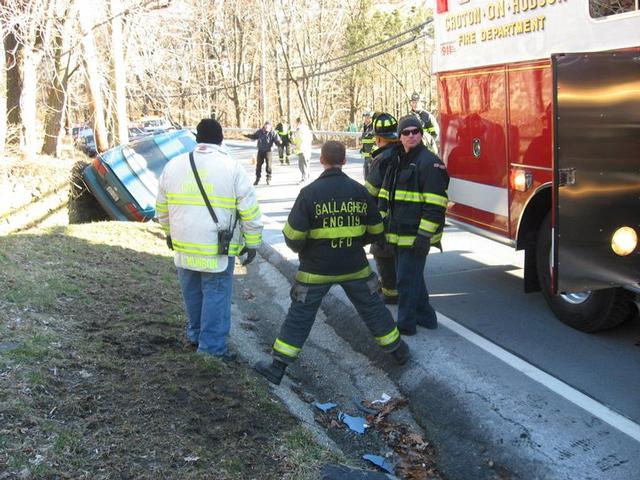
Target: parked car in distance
155	124
86	143
124	179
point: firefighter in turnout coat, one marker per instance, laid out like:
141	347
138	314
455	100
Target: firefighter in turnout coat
413	200
385	127
331	221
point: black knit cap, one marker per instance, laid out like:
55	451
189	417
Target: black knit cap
209	131
409	121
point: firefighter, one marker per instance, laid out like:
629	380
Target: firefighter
385	127
430	128
266	137
282	129
368	141
413	200
330	222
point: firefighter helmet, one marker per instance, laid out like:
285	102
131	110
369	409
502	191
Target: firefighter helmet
385	126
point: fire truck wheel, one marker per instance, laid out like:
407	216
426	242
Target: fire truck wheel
584	311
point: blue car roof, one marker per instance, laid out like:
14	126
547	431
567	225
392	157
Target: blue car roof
139	164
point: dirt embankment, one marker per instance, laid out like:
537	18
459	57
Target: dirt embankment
95	380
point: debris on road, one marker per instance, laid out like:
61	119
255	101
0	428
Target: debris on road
325	407
379	462
357	424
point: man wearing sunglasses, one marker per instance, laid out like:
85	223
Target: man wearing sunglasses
412	201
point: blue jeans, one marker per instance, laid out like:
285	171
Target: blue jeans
207	300
413	296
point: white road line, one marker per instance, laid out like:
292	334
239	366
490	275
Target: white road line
592	406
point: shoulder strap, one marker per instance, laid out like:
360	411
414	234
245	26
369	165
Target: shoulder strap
204	195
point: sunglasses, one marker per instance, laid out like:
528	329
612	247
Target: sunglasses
409	131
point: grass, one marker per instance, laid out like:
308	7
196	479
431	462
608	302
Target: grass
99	305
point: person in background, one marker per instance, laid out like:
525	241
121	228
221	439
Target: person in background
204	268
266	137
413	200
430	128
385	127
368	141
282	129
303	139
331	221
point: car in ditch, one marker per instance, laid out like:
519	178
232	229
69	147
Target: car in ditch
124	179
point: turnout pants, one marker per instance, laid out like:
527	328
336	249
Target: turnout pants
386	264
305	301
284	147
263	157
413	296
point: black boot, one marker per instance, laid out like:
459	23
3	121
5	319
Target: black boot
401	354
256	182
273	371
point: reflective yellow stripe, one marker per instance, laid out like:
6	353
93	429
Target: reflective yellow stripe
305	277
428	226
162	207
252	238
337	232
203	249
250	213
165	228
200	203
407	196
434	199
389	292
286	349
368	140
384	193
400	240
293	234
389	338
383	213
375	229
407	240
197	196
371	189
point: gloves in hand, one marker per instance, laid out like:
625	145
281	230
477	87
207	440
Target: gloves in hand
169	242
421	245
251	254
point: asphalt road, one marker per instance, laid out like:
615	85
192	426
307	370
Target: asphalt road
501	381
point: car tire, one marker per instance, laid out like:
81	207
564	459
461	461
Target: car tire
82	206
597	310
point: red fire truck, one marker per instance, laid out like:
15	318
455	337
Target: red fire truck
540	129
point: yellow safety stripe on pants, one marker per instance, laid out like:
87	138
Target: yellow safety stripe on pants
434	199
384	193
203	249
375	229
337	232
162	207
165	228
286	349
428	226
316	278
293	234
250	213
389	292
389	338
373	191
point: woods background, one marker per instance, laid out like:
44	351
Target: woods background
109	62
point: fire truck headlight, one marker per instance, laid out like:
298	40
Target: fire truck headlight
624	241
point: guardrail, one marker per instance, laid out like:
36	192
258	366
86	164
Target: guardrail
320	136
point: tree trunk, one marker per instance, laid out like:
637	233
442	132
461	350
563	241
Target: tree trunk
119	79
93	76
3	98
28	96
56	103
14	87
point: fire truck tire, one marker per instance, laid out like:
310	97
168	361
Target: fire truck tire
600	309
